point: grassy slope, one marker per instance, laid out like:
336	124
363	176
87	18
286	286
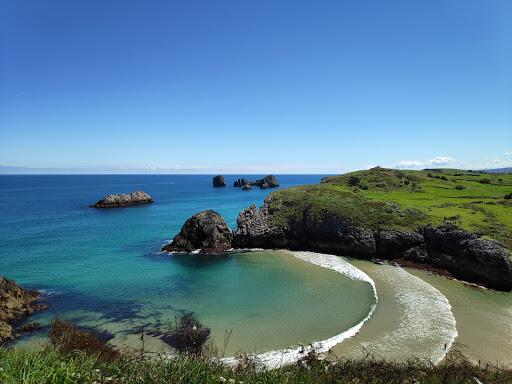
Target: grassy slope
384	198
50	366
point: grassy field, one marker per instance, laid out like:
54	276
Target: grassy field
51	366
386	198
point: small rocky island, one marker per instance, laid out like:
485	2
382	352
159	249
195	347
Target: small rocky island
269	181
16	303
123	200
205	231
218	181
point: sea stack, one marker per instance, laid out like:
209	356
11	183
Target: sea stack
123	200
206	231
15	304
218	181
269	181
239	183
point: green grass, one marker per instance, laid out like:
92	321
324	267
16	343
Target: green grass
385	198
49	366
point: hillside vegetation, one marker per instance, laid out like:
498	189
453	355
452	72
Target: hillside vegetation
387	198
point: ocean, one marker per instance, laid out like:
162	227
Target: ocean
103	269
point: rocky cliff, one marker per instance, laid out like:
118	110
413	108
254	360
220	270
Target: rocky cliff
15	304
123	200
463	254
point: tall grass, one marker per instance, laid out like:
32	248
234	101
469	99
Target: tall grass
51	366
77	356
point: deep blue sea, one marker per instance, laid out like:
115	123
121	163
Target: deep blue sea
103	269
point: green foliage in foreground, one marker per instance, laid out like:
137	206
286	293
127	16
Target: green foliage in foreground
49	366
387	198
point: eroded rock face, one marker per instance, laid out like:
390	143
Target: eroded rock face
325	233
269	181
218	181
206	231
15	304
123	200
239	183
469	257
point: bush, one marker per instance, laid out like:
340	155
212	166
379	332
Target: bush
460	187
508	196
68	338
188	335
485	181
363	187
354	181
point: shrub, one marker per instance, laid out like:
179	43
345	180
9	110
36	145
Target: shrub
353	181
413	178
188	335
68	338
485	181
460	187
508	196
363	187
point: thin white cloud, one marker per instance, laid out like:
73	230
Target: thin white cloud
435	162
507	154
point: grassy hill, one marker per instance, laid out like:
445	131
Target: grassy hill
388	198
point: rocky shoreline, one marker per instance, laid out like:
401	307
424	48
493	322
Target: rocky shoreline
123	200
16	304
462	254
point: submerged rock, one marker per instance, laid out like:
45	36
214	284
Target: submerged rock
123	200
206	231
218	181
269	181
15	304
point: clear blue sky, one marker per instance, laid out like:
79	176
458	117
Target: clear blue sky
278	86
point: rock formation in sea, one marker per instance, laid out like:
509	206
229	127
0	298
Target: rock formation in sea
246	187
218	181
206	231
123	200
463	254
16	303
239	183
269	181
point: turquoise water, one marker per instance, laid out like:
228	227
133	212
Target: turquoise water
103	269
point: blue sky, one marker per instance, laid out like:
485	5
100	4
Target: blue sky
255	86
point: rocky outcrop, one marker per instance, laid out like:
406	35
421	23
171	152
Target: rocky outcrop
465	255
239	183
123	200
246	187
218	181
269	181
206	231
259	228
15	304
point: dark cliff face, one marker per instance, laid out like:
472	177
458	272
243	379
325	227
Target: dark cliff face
463	254
206	230
15	304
